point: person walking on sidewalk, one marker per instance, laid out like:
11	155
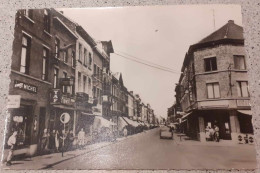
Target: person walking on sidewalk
81	138
57	140
70	139
11	143
52	140
45	137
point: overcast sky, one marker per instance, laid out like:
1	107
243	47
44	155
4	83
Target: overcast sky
159	34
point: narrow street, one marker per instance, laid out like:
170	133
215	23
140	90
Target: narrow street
147	151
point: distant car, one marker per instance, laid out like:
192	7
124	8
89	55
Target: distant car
166	133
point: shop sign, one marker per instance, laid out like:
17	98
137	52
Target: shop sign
13	101
55	96
25	86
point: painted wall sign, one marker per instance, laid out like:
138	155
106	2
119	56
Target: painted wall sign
25	86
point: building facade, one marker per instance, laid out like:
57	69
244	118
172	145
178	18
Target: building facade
214	85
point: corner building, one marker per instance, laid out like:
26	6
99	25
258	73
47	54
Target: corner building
214	85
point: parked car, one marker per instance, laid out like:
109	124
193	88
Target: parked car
166	133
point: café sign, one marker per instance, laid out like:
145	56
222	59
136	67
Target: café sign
25	86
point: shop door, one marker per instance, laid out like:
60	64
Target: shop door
224	131
42	120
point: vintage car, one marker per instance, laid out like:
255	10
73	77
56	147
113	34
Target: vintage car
166	133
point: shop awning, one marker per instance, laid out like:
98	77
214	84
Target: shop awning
186	115
247	112
121	123
131	122
102	122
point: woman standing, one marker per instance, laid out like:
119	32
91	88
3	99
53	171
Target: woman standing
57	140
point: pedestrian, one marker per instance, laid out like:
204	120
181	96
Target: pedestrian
57	140
207	133
216	134
44	141
11	143
70	138
125	132
81	138
63	141
52	140
211	133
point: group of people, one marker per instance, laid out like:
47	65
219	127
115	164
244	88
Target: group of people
212	134
56	141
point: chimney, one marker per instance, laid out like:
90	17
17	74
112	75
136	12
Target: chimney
231	21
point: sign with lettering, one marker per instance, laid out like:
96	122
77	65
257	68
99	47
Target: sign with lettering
13	101
65	118
25	86
55	96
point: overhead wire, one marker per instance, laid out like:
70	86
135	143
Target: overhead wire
153	65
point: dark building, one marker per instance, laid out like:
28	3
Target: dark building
31	78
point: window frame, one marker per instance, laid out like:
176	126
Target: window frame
27	49
244	61
239	88
213	90
56	77
46	21
210	59
57	48
46	58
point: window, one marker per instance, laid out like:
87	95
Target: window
98	92
94	91
44	63
57	48
28	13
242	88
84	83
97	72
213	90
25	54
89	84
65	57
239	62
210	64
64	88
79	81
80	47
46	21
73	86
73	59
55	82
95	69
85	57
90	60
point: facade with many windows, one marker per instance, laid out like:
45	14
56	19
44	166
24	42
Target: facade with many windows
213	88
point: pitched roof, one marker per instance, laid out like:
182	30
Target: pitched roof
228	31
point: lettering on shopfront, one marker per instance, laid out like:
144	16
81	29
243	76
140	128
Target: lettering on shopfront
25	86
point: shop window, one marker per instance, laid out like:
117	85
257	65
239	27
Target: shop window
213	90
47	22
210	64
242	87
55	79
57	48
44	63
25	54
73	59
239	62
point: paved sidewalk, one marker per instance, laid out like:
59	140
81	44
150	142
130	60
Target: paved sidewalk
184	140
49	160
